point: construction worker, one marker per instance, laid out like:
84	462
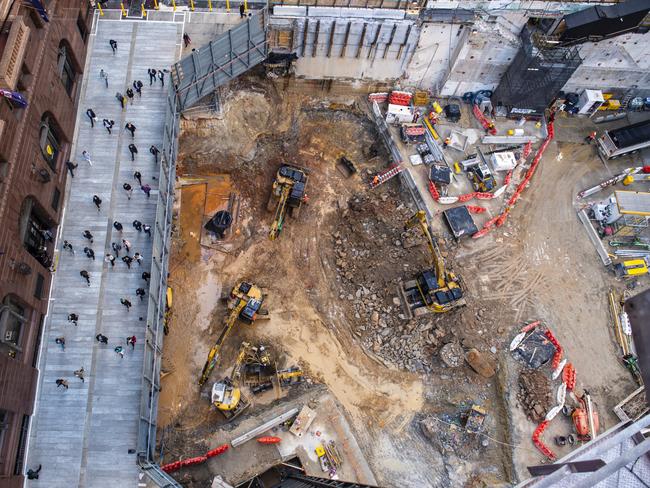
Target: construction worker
446	142
375	180
591	137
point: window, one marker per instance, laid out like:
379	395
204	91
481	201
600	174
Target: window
81	26
12	322
5	421
56	198
50	144
35	232
40	283
22	442
66	69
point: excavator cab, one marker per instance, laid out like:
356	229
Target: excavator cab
432	294
287	196
248	314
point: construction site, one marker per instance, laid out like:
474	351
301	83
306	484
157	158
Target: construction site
408	246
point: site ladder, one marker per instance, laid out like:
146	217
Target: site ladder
384	176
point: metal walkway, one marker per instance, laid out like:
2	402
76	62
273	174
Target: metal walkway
223	59
87	435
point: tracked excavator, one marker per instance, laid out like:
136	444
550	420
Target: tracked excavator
245	305
227	396
287	196
436	290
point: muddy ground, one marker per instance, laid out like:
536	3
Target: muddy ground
331	279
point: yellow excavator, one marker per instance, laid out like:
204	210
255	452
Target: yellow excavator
227	397
245	305
289	191
436	290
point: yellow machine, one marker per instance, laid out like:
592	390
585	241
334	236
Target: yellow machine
245	304
289	191
436	290
632	267
226	394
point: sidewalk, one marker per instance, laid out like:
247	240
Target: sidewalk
82	435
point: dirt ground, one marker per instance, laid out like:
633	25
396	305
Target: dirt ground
331	278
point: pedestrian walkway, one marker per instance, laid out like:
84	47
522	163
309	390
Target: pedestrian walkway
86	435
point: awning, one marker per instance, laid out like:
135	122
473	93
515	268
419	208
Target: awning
40	8
16	98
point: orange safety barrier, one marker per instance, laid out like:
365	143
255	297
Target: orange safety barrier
557	357
569	377
269	440
176	465
538	442
217	450
475	209
434	191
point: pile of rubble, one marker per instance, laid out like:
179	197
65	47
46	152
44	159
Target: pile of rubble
534	394
372	253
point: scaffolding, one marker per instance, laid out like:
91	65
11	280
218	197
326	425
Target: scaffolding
537	74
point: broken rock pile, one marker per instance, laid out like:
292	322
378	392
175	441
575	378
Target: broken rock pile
534	394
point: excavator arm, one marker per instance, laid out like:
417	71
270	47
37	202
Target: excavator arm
280	212
420	219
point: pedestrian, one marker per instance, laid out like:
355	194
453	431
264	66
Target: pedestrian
103	74
91	115
139	86
591	137
137	225
127	260
161	76
80	374
89	253
129	93
73	317
128	189
110	259
31	474
84	274
154	150
147	229
137	89
120	98
88	236
138	257
146	189
131	128
186	39
86	156
71	167
126	303
61	342
138	177
126	244
113	44
108	124
116	249
62	382
98	202
141	293
118	226
101	338
242	11
133	150
152	76
146	276
68	246
446	142
120	350
131	340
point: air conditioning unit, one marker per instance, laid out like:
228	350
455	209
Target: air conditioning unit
10	335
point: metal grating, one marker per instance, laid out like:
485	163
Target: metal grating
223	59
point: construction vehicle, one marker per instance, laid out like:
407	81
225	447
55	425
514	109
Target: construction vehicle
226	394
585	418
245	305
480	176
436	290
261	374
287	196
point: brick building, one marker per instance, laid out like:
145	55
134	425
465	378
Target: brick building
42	55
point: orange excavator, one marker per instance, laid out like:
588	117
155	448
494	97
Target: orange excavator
585	418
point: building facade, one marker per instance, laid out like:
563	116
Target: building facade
42	55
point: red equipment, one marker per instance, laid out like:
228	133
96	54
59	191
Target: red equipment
269	440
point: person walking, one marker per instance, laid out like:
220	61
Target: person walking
118	226
110	259
147	229
242	11
127	260
131	340
138	176
141	293
108	124
86	156
138	257
120	351
116	249
133	150
98	202
113	44
154	150
126	303
126	244
68	246
128	189
120	98
71	167
84	274
62	382
131	128
146	276
89	253
80	374
186	39
91	115
88	236
152	76
74	318
146	189
104	75
137	225
161	76
61	342
101	338
129	93
137	86
33	475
